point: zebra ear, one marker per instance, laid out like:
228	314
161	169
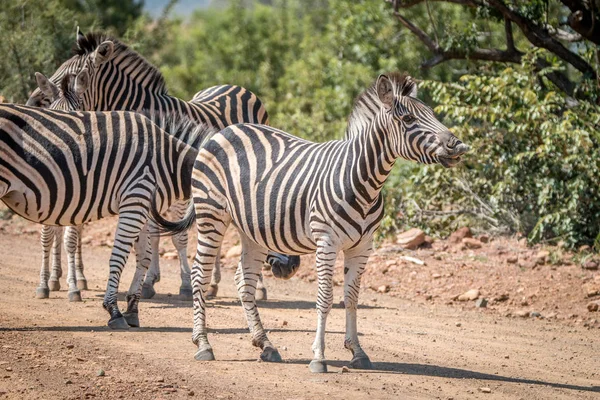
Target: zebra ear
46	86
385	90
410	87
103	52
82	82
79	35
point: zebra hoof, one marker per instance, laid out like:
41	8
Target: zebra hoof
118	323
42	293
318	366
212	291
75	296
132	319
82	284
185	293
148	291
270	354
261	294
54	286
361	363
204	355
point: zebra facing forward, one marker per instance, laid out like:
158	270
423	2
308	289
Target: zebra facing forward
65	168
121	79
293	196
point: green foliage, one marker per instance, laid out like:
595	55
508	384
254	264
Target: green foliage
535	163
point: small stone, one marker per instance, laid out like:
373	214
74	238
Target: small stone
469	295
591	265
411	239
234	251
593	292
592	306
383	289
345	369
541	257
458	324
171	255
512	259
160	379
485	390
191	393
284	323
521	314
100	372
471	243
460	234
535	314
70	346
436	276
9	369
484	238
68	382
481	303
501	298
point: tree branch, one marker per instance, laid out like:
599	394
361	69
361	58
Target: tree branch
584	21
510	41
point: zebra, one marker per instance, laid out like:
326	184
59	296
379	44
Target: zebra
121	79
67	97
69	168
300	197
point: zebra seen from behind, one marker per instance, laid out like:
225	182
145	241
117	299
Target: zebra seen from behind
69	168
292	196
121	79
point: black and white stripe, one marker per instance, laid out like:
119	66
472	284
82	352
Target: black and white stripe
70	168
292	196
120	79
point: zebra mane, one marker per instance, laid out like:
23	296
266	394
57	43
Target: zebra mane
181	127
367	104
88	43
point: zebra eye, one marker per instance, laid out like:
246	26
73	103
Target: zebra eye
409	118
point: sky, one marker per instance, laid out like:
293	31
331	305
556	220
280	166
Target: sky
182	8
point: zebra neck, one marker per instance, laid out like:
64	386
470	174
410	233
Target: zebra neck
372	162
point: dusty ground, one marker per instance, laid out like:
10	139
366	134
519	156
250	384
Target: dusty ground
423	343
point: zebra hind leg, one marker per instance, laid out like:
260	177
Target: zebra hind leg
56	272
153	273
81	281
143	254
210	237
47	239
71	249
246	278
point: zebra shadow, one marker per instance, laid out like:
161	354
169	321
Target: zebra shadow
448	372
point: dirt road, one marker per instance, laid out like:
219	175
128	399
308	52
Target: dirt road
52	349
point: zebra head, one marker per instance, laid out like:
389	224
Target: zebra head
413	130
89	52
67	97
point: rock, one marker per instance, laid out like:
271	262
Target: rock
485	390
383	289
535	314
592	306
428	240
436	276
481	303
9	369
86	240
471	243
284	323
541	257
460	234
484	238
70	346
591	265
512	259
593	292
458	324
413	260
68	382
345	369
160	379
469	295
411	239
191	393
527	264
234	251
100	372
171	255
521	314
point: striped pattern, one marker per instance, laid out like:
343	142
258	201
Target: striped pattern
292	196
65	168
123	80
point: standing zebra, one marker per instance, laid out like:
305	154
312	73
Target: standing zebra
70	168
121	79
293	196
67	97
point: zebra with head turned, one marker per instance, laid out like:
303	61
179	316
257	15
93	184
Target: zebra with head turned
67	97
293	196
121	79
69	168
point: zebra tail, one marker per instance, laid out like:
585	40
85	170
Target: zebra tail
171	228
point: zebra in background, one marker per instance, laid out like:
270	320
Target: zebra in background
70	168
121	79
67	97
300	197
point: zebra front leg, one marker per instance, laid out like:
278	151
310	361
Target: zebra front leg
153	274
326	255
210	237
355	261
246	277
71	248
81	281
56	272
47	239
180	242
128	229
143	254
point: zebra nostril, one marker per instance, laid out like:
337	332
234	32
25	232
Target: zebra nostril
461	149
